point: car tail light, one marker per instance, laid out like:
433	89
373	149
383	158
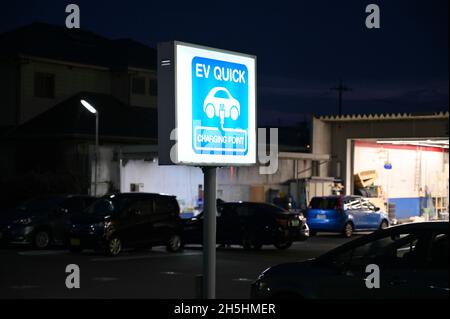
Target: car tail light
282	221
339	205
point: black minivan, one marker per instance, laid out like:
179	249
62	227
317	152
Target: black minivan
128	220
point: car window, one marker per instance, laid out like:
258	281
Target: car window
272	209
367	205
352	203
108	206
323	203
398	250
221	94
41	204
166	205
228	211
73	204
439	257
245	210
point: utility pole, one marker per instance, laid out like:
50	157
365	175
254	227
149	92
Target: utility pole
341	89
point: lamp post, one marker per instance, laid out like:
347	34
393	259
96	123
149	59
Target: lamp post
91	109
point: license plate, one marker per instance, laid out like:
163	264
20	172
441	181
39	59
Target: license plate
321	216
75	242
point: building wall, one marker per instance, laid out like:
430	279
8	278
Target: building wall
108	170
68	81
144	100
321	143
233	183
8	92
331	137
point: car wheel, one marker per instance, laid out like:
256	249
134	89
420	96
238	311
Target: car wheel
348	230
210	111
384	224
234	113
174	243
251	244
114	246
41	239
283	245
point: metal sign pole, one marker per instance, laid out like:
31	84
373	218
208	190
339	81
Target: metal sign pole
209	233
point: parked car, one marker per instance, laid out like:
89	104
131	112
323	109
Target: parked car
344	214
251	225
412	259
42	221
128	220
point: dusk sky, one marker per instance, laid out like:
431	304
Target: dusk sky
303	47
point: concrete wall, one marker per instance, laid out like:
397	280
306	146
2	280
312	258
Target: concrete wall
233	183
321	143
108	170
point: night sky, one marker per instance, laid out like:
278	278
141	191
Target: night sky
303	47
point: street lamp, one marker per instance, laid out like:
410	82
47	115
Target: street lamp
92	109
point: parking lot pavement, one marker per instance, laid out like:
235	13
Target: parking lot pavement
149	273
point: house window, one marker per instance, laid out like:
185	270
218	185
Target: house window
153	89
138	85
44	85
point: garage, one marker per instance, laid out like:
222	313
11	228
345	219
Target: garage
399	161
407	177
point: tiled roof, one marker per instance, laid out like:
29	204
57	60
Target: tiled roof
76	45
384	117
69	119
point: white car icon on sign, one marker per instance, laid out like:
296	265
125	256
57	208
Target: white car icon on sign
220	99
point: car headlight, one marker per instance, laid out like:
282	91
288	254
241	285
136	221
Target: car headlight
101	225
22	221
261	285
98	225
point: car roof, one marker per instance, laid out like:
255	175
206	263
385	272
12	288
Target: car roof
339	196
139	195
430	225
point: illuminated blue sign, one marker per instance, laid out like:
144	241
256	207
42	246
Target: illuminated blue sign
220	117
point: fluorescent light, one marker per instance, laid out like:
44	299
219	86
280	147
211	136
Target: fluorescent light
89	107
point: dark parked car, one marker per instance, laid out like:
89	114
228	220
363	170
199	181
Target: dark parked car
42	221
413	262
128	220
251	225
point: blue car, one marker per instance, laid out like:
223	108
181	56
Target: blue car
344	214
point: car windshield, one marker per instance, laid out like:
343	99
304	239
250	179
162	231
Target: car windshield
107	206
323	203
41	204
221	94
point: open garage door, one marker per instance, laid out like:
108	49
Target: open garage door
409	178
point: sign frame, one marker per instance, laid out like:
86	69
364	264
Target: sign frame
169	114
